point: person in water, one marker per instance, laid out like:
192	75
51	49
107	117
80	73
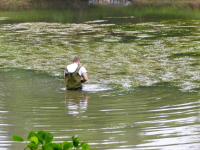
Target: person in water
75	75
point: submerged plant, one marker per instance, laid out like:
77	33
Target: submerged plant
42	140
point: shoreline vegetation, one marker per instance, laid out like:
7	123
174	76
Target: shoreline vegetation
15	5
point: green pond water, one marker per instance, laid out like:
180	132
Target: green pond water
143	88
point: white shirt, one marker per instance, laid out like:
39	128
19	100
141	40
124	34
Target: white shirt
72	68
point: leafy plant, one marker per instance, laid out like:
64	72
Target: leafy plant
42	140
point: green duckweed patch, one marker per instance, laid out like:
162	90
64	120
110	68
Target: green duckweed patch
124	56
186	54
128	27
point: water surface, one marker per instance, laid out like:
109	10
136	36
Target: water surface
143	88
155	117
124	56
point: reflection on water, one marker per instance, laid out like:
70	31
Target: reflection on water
76	102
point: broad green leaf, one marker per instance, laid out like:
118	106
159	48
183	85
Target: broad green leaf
48	137
47	146
40	136
75	141
74	137
67	145
17	138
31	134
32	145
34	139
44	136
57	146
85	146
40	133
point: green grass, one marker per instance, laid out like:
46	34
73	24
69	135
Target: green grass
96	13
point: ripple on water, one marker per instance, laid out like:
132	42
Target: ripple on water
96	87
151	117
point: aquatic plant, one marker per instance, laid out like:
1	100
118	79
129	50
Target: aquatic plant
127	27
42	140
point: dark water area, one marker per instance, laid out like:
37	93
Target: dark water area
70	17
112	15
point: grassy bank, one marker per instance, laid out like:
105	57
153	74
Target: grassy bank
167	11
193	4
41	4
99	12
63	4
41	11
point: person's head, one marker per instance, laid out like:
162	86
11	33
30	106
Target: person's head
76	60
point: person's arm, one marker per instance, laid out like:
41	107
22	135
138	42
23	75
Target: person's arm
84	76
65	76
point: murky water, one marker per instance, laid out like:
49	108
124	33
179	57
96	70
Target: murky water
143	91
156	117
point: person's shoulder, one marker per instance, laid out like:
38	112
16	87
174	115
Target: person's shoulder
83	69
81	66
